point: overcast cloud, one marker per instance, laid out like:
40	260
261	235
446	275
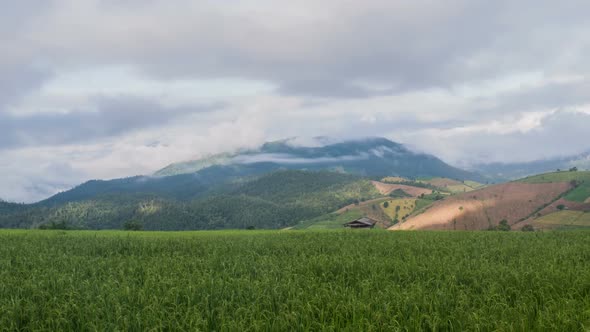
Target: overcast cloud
105	88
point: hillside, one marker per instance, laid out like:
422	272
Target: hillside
396	204
371	157
276	200
520	203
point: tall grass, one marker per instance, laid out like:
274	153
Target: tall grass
291	280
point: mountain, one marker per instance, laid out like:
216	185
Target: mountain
512	171
371	157
274	186
275	200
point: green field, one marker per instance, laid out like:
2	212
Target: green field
558	177
330	221
568	219
363	280
580	194
397	209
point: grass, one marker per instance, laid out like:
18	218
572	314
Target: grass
564	176
422	203
453	186
566	218
580	194
459	188
331	221
474	184
393	179
364	280
406	207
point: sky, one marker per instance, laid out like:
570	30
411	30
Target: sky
100	89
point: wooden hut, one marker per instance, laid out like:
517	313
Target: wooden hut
361	223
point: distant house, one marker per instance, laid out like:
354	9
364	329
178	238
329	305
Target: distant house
361	223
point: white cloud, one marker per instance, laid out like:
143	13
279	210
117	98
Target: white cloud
466	80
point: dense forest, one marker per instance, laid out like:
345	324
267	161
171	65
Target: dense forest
275	200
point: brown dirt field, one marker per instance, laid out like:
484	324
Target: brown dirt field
386	189
485	207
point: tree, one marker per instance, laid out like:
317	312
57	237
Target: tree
397	208
528	228
386	205
503	226
561	207
574	169
132	225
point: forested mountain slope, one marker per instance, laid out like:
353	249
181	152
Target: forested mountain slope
274	200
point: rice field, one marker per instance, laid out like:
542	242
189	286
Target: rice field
365	280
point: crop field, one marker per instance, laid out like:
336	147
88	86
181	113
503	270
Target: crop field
580	194
364	280
567	219
558	177
330	221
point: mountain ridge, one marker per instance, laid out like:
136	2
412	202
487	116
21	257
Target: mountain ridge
372	157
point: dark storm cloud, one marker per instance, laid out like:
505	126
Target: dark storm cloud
113	116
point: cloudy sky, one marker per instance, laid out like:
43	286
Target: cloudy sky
111	88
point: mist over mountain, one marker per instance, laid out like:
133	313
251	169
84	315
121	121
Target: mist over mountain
511	171
371	157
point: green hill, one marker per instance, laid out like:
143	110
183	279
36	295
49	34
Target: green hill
276	200
564	176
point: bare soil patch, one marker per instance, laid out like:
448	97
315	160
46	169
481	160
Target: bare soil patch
486	207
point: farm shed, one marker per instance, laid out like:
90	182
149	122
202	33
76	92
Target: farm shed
361	223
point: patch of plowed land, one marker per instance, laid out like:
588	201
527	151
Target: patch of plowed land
486	207
387	188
